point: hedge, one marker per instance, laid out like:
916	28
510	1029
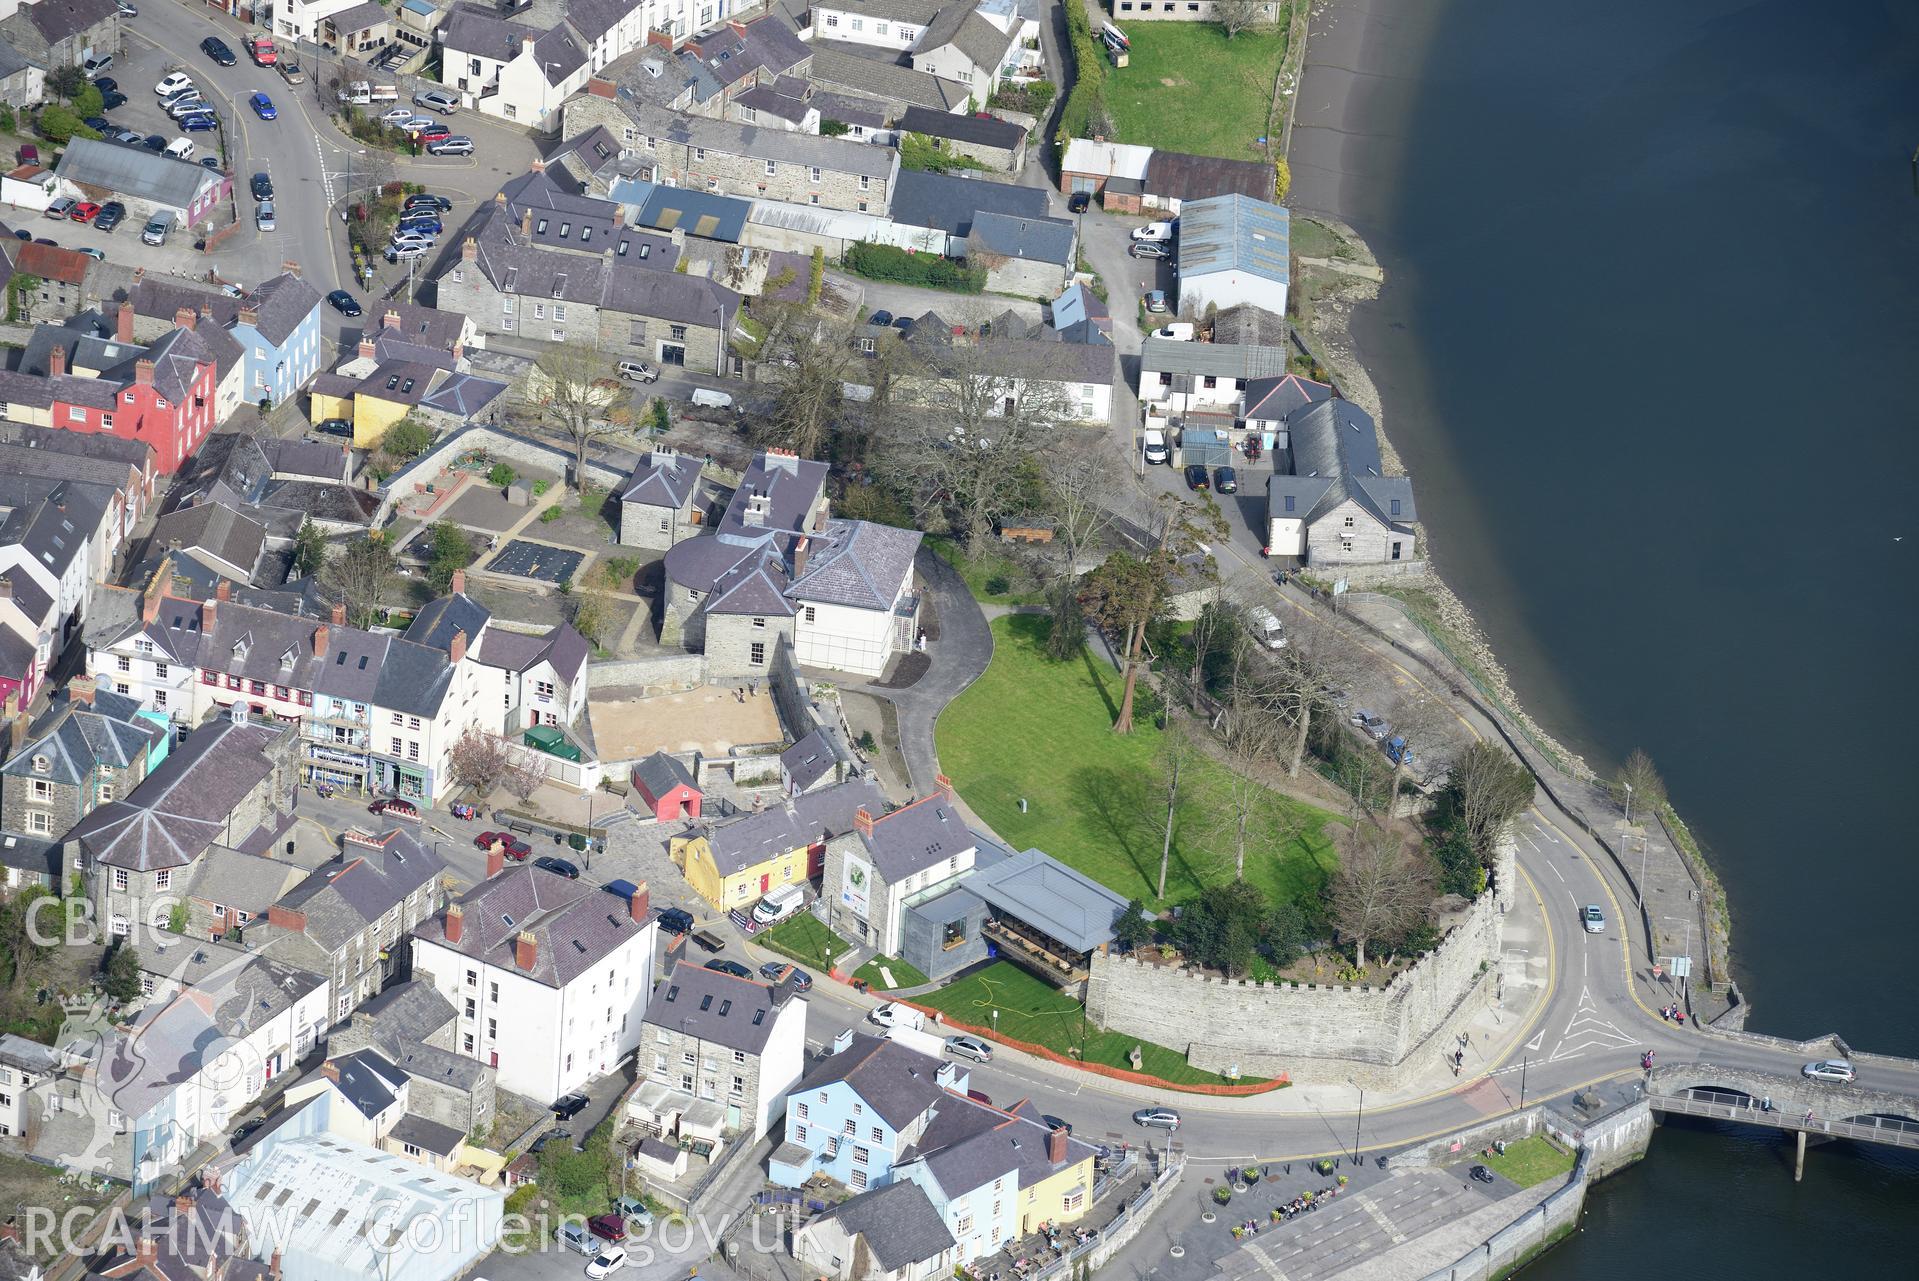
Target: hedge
1089	77
928	271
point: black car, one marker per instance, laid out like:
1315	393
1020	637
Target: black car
334	427
247	1128
99	124
1057	1123
1078	201
111	215
1196	479
880	318
155	142
1225	480
109	101
343	302
548	1137
904	324
426	200
559	866
723	966
262	186
676	920
106	84
216	49
568	1106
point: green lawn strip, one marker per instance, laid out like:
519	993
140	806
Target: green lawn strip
1186	87
1032	1011
804	939
1531	1160
1034	728
904	975
980	570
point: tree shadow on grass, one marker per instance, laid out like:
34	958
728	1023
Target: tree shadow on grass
1118	802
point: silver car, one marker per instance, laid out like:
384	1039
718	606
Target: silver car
1595	920
969	1047
436	100
1837	1071
1157	1118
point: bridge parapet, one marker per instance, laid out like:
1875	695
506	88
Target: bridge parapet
1792	1096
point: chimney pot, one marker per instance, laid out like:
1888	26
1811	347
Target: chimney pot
526	222
459	581
184	318
525	950
143	372
469	250
390	319
81	688
290	267
863	822
367	350
945	786
330	1070
538	165
456	915
57	361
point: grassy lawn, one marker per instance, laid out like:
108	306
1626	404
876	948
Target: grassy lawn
804	939
1531	1160
1033	1011
904	975
1022	590
1034	728
1188	88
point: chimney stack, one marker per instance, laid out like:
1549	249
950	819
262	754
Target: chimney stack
456	648
367	349
339	615
330	1070
147	1249
495	859
223	591
456	915
273	1266
526	950
80	689
469	250
390	319
459	581
526	222
249	314
207	615
538	165
1056	1146
289	267
640	904
184	318
123	323
142	371
945	786
863	822
57	362
319	641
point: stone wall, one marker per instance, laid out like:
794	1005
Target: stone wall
731	639
1315	1032
660	674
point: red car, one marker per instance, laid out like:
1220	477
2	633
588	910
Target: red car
85	211
607	1227
517	850
485	840
432	132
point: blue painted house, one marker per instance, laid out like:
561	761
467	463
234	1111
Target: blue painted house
858	1109
278	329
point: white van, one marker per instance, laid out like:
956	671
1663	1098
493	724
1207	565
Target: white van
712	399
1155	446
893	1014
180	149
779	904
1270	631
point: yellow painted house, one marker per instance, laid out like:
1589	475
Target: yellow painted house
1059	1197
368	402
734	865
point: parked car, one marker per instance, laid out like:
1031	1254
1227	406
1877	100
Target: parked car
676	920
260	49
99	124
400	253
343	302
1153	446
262	106
290	71
1146	249
396	115
607	1227
969	1047
415	122
781	972
334	427
882	319
1593	919
126	8
173	84
893	1014
261	185
263	216
1156	301
457	145
1079	201
571	1236
1398	750
1269	631
1225	480
29	154
781	902
558	866
154	142
191	104
720	965
155	232
209	162
1196	478
85	211
518	850
425	200
202	123
61	206
246	1129
1153	232
424	224
568	1106
606	1262
1157	1118
97	66
437	100
111	215
638	371
216	49
484	841
112	99
395	807
1836	1071
124	136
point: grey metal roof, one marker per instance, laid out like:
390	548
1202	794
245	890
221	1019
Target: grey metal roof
949	203
794	824
659	774
898	1083
134	171
662	479
706	214
917	837
737	1013
575	925
1334	441
986	131
1219	360
898	1222
1178	176
1051	897
862	565
1234	233
1048	240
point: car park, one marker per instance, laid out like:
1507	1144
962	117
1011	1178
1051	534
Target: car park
188	105
111	215
106	84
969	1047
607	1227
261	185
126	136
85	211
433	133
262	106
216	49
414	123
334	427
1225	480
155	232
61	206
720	965
202	123
154	142
436	100
425	224
1196	478
457	145
1593	919
559	867
1157	1118
343	302
1832	1071
396	116
173	84
606	1262
568	1106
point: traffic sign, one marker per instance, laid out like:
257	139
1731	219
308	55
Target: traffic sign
1681	967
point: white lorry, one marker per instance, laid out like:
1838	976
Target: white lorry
361	93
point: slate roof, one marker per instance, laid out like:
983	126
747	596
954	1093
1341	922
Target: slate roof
783	145
659	774
344	897
248	883
849	110
470	29
768	100
900	1084
794	824
575	924
419	325
706	214
898	1222
733	52
1219	360
464	395
310	459
1335	450
17	654
283	302
968	1144
737	1013
78	738
1274	399
949	203
367	1081
410	1011
28	595
1178	176
917	837
809	760
215	529
662	480
358	18
186	804
54	440
1048	240
165	297
440	618
57	20
50	521
427	1135
33	855
1234	233
985	131
791	486
133	171
835	65
561	646
862	565
960	26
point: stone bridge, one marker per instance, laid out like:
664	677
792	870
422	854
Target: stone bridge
1798	1104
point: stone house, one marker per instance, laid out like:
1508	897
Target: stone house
872	870
1337	507
22	84
413	1026
660	504
230	890
96	747
63	276
63	33
720	1039
1000	145
893	1233
1032	257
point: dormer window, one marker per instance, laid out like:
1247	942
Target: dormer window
286	661
41	765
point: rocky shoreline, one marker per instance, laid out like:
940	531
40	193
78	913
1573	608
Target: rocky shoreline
1335	292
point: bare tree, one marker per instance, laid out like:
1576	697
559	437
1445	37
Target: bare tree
1178	755
1252	737
362	576
1426	731
1489	789
809	359
1381	887
568	389
1235	16
479	760
1080	484
1640	777
525	774
1319	661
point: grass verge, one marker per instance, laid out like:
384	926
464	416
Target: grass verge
804	939
1531	1161
904	975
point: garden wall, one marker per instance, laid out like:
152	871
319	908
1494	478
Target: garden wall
1314	1032
658	674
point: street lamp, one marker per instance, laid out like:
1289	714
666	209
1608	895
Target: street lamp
1628	804
1359	1119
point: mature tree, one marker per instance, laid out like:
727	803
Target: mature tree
29	936
1123	595
1080	485
479	760
58	124
120	980
449	549
89	102
1066	635
1429	729
811	359
1638	773
1381	888
309	548
1215	633
568	390
407	439
524	774
1179	756
1134	927
67	82
1235	16
1317	665
1487	788
362	576
1246	806
1226	926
